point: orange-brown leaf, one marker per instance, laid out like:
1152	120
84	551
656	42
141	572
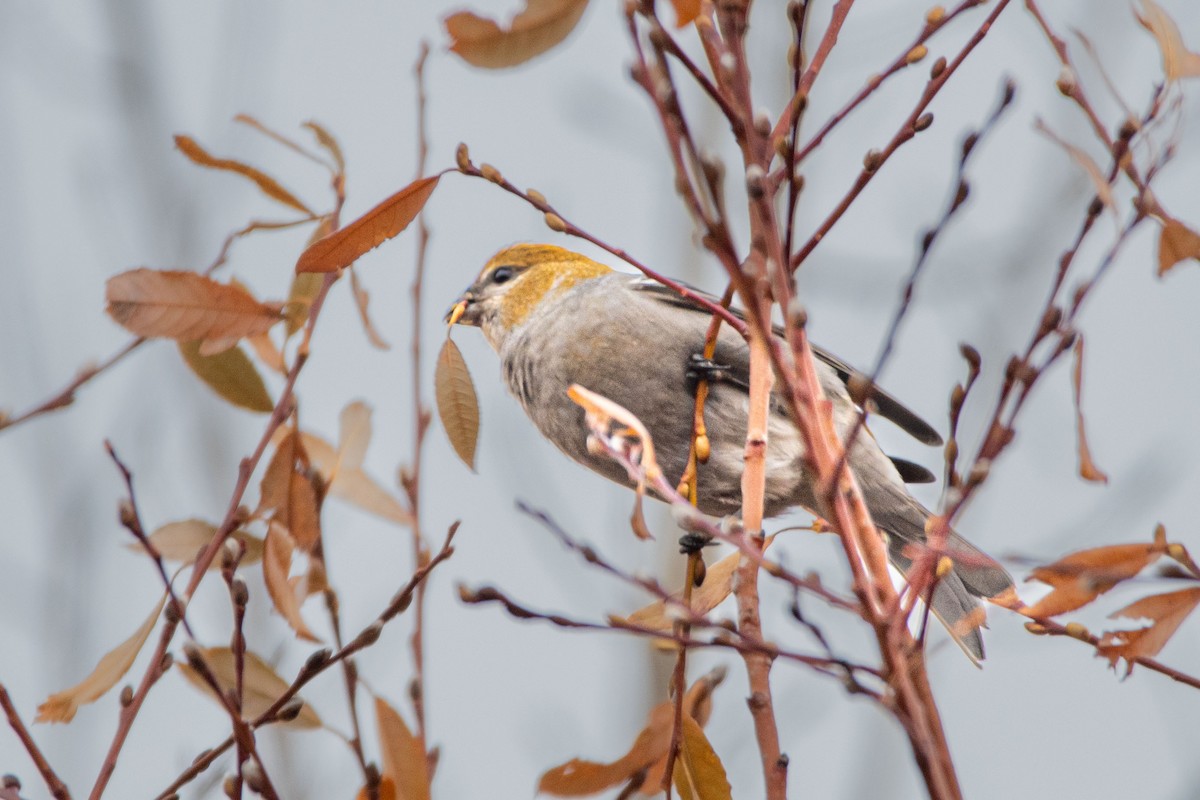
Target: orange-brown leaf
231	375
404	759
718	583
1166	611
268	185
341	469
1087	467
577	777
1099	180
277	565
362	299
304	289
61	706
1178	61
326	140
387	790
699	773
647	756
1081	577
261	686
267	352
540	26
354	433
183	540
341	248
184	306
686	11
457	404
1177	242
287	491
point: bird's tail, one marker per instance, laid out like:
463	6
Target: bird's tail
974	574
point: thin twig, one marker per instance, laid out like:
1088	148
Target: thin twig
322	661
57	788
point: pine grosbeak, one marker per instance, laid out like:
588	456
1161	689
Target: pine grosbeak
558	318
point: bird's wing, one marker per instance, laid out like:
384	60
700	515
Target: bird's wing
886	405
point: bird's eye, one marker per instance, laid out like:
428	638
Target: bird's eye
502	274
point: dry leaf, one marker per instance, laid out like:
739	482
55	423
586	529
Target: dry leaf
354	433
341	248
647	757
457	404
268	353
214	347
184	306
1081	577
699	773
305	288
1099	181
540	26
1167	611
287	490
1176	243
387	790
1178	61
404	759
341	469
231	375
1087	468
326	140
355	486
268	185
261	686
277	565
61	706
718	583
686	11
362	299
182	541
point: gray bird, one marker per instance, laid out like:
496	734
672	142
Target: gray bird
557	318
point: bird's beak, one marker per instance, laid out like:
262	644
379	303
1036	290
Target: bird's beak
463	312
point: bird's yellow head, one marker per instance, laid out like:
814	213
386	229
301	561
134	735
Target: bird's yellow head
515	281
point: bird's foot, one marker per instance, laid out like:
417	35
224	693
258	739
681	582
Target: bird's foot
700	368
694	542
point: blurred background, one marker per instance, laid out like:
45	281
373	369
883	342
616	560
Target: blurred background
91	94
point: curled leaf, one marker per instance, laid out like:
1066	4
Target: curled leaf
261	686
1178	61
645	762
1081	577
184	306
230	374
1166	611
182	541
404	759
362	299
540	26
268	185
326	140
1177	242
686	11
457	404
287	491
718	584
61	706
277	566
341	248
1087	468
1099	181
699	773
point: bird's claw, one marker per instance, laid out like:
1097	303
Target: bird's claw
700	368
694	542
